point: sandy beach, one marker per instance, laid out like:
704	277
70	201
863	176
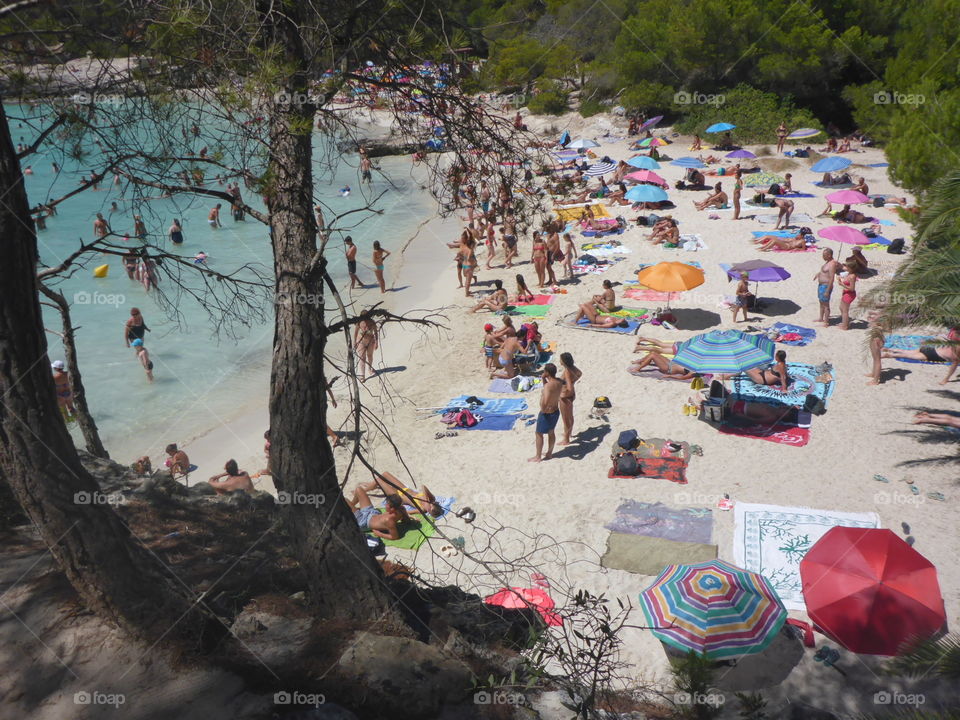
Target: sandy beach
555	512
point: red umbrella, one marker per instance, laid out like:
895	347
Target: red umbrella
870	591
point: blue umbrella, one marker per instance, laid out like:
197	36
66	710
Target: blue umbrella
832	164
688	162
643	162
720	127
645	194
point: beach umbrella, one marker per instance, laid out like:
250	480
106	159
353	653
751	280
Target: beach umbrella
762	179
643	162
848	197
759	271
600	168
646	176
689	162
651	123
870	591
713	608
728	352
670	277
583	144
646	194
801	133
653	142
520	598
741	154
720	127
844	234
831	164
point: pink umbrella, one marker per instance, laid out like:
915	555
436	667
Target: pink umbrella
518	598
845	234
848	197
647	176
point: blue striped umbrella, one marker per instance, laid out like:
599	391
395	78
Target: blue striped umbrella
688	162
643	162
600	168
645	194
831	164
728	352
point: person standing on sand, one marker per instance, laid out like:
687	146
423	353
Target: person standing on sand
379	255
365	342
825	279
743	297
877	338
848	281
351	252
781	136
786	210
571	373
569	252
737	187
538	256
549	412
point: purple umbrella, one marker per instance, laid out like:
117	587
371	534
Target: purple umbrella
758	271
651	123
741	154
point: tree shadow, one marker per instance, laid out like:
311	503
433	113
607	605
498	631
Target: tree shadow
933	434
695	319
584	443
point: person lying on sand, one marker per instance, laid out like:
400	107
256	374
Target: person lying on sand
772	242
848	215
645	344
776	375
830	179
667	367
385	524
925	418
932	353
423	501
589	311
496	302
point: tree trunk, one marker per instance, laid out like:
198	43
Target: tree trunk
88	426
114	576
345	580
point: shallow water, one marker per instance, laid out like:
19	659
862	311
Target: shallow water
202	379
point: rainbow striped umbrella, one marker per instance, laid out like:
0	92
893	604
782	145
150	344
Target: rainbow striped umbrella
713	608
727	352
803	133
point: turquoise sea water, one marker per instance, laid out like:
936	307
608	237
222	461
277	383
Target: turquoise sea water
201	379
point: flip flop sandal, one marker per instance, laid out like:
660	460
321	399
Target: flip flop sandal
464	510
908	481
440	435
914	489
938	496
881	478
469	516
448	551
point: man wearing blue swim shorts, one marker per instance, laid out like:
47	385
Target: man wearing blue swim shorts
549	412
825	278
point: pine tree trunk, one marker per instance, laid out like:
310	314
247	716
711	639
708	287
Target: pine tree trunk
113	575
88	426
345	580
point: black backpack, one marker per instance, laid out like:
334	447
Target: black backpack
896	247
814	405
878	202
628	439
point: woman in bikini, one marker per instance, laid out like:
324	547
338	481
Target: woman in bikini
135	327
365	341
468	262
130	264
491	243
379	255
569	251
554	254
571	373
781	136
847	281
737	187
523	292
933	353
777	375
538	257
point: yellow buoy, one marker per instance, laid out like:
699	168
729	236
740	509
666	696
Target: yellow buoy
101	271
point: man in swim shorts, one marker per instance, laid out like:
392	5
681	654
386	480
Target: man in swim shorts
825	278
385	524
549	412
351	252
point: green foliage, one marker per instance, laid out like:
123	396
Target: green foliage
551	99
932	657
693	683
752	706
756	114
518	64
589	108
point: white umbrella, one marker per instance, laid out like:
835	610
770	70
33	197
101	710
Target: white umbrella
583	144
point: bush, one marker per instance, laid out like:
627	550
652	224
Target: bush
755	113
589	108
551	99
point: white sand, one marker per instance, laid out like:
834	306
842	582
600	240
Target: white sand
570	498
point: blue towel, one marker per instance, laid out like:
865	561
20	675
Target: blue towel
880	240
808	335
493	422
796	195
602	233
803	383
879	165
491	406
885	222
909	342
500	385
775	233
632	326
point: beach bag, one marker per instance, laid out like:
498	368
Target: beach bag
628	439
626	465
896	247
460	418
878	202
586	260
814	405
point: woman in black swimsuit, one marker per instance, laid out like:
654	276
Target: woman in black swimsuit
777	375
135	327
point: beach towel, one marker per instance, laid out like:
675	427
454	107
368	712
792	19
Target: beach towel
598	268
537	300
686	524
625	312
504	386
807	335
650	555
653	373
523	598
602	233
492	422
530	311
669	468
573	212
780	434
584	324
775	233
795	219
605	249
792	195
909	342
637	291
803	383
819	183
489	406
415	535
772	541
879	165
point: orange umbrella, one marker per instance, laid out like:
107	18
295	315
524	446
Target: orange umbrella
671	277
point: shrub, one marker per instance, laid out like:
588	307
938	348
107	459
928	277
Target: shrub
589	108
551	99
